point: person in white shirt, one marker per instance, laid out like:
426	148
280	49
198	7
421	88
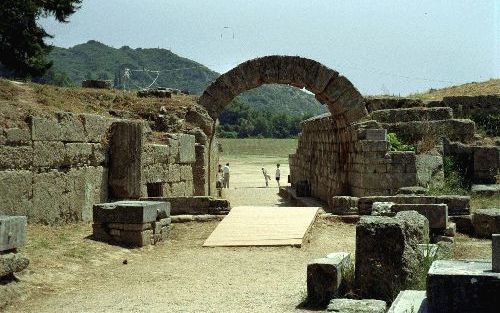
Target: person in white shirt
267	177
226	170
278	174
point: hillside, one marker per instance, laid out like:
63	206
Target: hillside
489	87
94	60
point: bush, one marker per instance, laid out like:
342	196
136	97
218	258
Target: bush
397	144
228	134
454	180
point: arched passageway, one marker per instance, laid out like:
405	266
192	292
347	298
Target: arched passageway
343	100
335	156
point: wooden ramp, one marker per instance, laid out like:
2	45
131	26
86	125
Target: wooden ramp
263	226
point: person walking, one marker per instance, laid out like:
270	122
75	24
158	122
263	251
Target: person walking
278	174
267	177
219	177
226	171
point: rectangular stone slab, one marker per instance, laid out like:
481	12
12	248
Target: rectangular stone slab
437	214
130	212
410	301
463	286
12	232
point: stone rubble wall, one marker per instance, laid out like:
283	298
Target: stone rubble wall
56	169
347	161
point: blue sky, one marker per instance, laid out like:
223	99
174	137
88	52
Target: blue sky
396	47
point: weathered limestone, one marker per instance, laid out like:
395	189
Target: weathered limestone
48	154
457	205
462	286
495	252
17	136
324	278
413	190
409	301
197	205
11	262
486	222
357	306
386	255
417	225
486	164
486	190
382	209
186	148
16	157
12	232
131	223
437	214
125	160
17	192
343	205
429	170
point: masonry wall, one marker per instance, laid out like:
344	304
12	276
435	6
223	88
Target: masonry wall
56	169
348	161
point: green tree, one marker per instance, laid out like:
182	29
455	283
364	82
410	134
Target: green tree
22	47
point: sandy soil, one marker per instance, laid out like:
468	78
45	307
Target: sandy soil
71	273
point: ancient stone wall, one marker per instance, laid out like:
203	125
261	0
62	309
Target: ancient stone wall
348	161
56	169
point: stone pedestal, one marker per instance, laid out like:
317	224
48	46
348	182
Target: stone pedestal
463	287
12	237
132	223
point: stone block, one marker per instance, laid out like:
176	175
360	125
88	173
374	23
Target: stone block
457	205
48	154
174	173
72	129
387	256
16	157
429	170
437	214
186	172
413	190
485	190
186	148
417	225
96	127
12	263
99	154
173	144
463	286
451	230
130	227
16	192
178	189
324	278
45	129
376	134
130	212
486	222
463	224
382	209
78	154
410	301
136	238
357	306
17	136
155	153
125	160
12	232
343	205
495	252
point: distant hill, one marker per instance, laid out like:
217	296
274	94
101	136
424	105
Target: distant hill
95	60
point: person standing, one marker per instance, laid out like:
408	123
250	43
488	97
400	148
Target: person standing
220	177
278	174
266	176
226	171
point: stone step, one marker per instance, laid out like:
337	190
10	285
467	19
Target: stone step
412	114
409	301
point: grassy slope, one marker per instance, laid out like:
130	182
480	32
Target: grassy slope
19	100
490	87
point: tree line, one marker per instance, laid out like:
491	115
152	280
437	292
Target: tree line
239	120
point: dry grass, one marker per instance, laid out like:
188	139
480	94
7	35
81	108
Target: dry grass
19	100
489	87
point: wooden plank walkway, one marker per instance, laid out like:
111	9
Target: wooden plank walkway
263	226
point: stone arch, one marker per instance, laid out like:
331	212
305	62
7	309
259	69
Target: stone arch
335	91
343	100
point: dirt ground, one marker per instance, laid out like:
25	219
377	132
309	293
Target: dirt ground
71	273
